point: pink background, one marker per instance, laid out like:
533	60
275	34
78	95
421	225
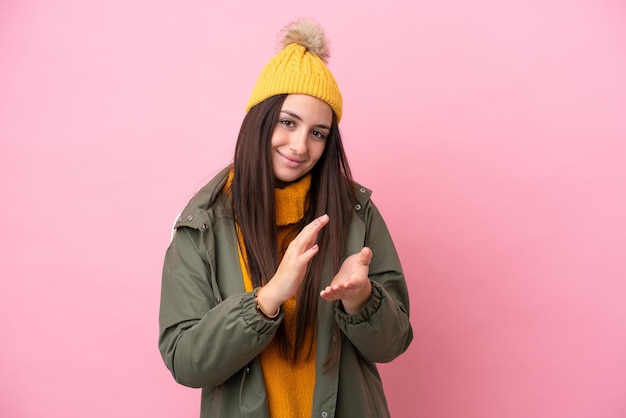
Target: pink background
492	132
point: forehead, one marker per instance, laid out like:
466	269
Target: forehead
308	108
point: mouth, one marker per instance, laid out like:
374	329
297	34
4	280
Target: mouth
290	160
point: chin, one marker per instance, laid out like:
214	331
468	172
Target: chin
282	180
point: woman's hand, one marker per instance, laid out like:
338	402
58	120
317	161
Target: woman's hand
351	284
292	268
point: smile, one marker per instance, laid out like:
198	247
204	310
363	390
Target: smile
290	161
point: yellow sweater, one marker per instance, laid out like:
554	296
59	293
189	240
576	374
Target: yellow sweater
289	386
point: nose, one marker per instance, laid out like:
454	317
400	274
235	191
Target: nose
297	142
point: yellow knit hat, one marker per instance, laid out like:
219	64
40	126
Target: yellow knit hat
299	68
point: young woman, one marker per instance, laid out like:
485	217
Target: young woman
281	287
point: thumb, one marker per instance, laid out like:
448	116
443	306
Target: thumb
365	256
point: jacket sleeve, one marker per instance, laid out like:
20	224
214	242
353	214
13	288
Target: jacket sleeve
381	330
204	340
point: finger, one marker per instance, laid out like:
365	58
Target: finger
328	294
308	235
318	223
305	256
310	253
365	255
335	294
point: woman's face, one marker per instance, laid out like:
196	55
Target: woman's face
299	137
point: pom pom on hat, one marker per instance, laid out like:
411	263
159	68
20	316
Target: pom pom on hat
309	35
299	68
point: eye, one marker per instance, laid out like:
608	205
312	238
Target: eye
287	122
319	135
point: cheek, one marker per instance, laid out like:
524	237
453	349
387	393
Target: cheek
274	140
317	150
277	138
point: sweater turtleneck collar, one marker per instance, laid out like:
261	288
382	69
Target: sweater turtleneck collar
291	201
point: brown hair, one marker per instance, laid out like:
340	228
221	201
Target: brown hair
331	192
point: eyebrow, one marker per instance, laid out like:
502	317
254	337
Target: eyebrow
295	116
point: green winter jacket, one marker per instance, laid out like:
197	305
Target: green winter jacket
211	334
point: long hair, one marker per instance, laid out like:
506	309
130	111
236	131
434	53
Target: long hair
331	193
